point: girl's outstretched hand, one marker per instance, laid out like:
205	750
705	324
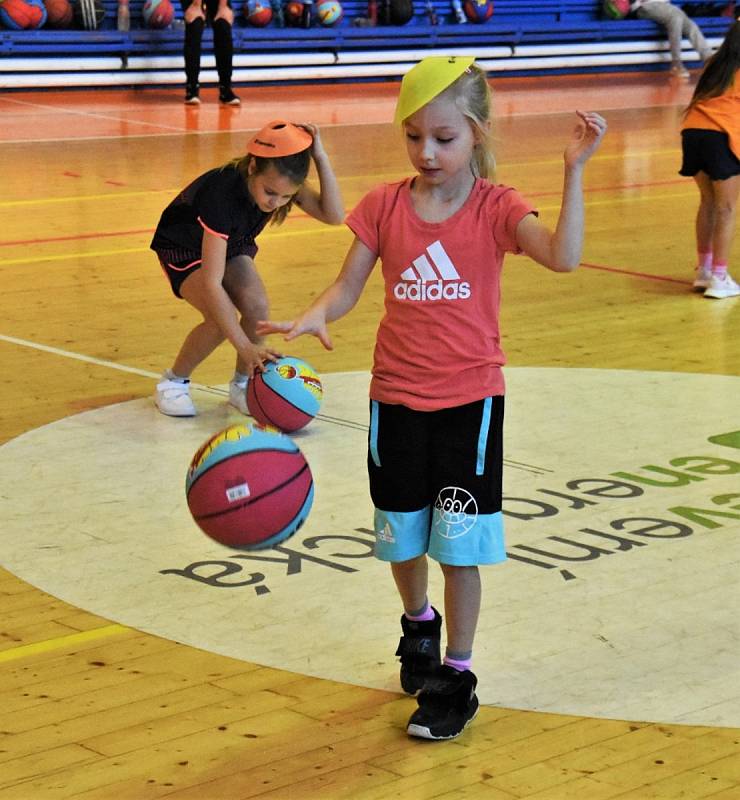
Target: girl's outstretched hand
313	323
255	357
586	138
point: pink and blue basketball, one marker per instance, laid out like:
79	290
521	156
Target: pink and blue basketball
17	15
158	13
478	10
40	16
287	394
249	487
258	13
329	12
616	9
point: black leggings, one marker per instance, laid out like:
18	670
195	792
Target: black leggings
223	45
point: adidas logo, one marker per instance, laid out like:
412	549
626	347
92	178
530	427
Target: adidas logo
432	277
386	535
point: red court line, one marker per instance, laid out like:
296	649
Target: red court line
619	187
635	274
75	237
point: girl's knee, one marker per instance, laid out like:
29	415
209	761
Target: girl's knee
725	212
251	307
213	329
193	12
225	13
452	570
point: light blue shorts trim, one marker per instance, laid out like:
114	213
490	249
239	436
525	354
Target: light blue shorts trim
445	535
401	535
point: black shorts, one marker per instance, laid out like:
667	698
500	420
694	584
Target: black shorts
177	271
435	480
708	152
414	455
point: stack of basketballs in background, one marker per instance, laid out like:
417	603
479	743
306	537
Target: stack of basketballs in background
261	13
249	486
160	14
85	14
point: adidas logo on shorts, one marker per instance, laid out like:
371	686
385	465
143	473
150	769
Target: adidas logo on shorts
432	277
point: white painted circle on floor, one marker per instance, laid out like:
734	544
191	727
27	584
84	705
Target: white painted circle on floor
622	506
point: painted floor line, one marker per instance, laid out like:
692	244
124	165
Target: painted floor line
145	373
101	362
72	640
635	274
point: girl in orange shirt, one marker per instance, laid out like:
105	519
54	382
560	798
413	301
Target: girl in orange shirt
710	137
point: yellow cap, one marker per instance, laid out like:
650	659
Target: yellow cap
430	77
279	138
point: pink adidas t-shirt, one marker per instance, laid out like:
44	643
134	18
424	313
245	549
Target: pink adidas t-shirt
438	344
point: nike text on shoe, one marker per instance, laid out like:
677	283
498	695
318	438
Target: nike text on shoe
419	651
447	705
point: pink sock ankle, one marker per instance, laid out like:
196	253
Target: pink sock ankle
426	616
459	664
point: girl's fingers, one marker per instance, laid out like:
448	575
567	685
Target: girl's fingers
266	326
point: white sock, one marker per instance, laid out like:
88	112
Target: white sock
170	375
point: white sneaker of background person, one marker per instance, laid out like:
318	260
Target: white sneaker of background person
702	279
172	397
721	287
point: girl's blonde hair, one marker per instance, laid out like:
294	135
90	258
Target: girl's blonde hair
472	95
719	72
294	167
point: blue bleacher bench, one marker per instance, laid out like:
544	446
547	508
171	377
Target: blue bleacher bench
557	32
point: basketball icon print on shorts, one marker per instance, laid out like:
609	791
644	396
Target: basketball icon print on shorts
287	394
455	512
249	487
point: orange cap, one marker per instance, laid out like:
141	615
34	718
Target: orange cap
279	138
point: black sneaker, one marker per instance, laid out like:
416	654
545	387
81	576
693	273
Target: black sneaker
419	651
227	97
191	96
447	704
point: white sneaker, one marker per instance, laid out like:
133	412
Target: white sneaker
722	287
238	396
703	278
173	398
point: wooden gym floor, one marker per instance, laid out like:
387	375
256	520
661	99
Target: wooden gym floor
95	709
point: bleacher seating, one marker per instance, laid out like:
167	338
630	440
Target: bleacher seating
522	37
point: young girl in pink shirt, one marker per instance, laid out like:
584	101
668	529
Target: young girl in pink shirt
437	390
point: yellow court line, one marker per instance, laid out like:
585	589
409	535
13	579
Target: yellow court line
96	254
77	198
62	641
115	195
